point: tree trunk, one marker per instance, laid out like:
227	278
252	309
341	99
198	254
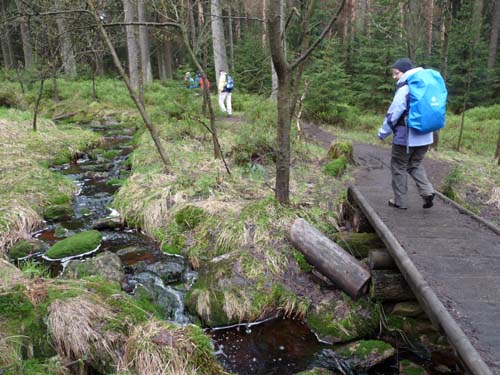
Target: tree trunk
330	259
190	22
274	76
231	38
430	14
8	56
133	65
160	61
218	40
147	74
497	151
390	286
37	104
283	72
25	35
495	26
381	260
445	32
68	57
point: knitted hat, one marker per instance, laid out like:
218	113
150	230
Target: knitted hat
403	65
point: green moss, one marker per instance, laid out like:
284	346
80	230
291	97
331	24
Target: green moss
340	149
58	212
336	167
357	319
302	262
24	248
170	249
78	244
362	349
110	154
316	371
189	217
358	244
409	368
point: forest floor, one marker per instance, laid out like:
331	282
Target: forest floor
437	170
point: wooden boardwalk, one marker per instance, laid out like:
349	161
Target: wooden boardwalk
450	255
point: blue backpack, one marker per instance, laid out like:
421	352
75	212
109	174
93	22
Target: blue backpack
428	96
229	83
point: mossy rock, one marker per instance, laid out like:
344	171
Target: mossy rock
336	168
75	245
58	212
358	244
337	320
24	248
107	265
340	149
407	367
189	217
365	354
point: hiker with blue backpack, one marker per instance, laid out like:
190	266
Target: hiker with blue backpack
417	110
226	85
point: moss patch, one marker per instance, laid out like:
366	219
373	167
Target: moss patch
336	167
189	217
78	244
363	349
58	212
24	248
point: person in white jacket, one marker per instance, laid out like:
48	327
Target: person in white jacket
408	146
224	94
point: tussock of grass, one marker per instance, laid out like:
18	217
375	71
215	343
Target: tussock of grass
76	328
157	348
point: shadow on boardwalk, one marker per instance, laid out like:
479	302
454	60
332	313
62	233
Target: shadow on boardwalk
457	256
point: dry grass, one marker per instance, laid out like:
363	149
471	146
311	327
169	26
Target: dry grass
203	303
158	349
495	197
77	327
237	306
18	222
9	355
9	275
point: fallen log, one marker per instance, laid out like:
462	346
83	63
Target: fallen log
390	286
330	259
381	260
63	116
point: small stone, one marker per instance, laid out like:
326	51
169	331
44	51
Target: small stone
107	265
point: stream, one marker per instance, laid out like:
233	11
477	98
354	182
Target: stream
279	346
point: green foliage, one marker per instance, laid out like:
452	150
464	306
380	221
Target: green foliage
302	262
23	248
451	182
78	244
189	217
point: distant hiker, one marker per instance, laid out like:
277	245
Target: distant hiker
189	81
203	83
226	86
409	146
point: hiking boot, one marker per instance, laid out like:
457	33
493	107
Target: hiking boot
428	200
391	203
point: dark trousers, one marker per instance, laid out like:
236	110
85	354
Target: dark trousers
408	161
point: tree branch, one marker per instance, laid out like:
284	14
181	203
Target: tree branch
304	56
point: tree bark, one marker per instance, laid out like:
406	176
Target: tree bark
190	22
231	38
447	19
495	26
497	151
8	56
274	76
390	286
25	35
68	57
430	14
330	259
218	40
37	104
133	65
147	74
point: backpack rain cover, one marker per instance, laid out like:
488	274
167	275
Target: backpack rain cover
428	97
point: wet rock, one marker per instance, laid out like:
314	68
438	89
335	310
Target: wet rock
407	309
336	320
106	265
24	248
58	212
360	355
169	269
80	243
407	367
108	223
61	232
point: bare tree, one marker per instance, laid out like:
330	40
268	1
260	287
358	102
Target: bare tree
25	35
495	26
6	42
286	104
218	40
147	75
133	65
68	57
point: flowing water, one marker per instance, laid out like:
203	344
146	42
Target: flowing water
279	346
